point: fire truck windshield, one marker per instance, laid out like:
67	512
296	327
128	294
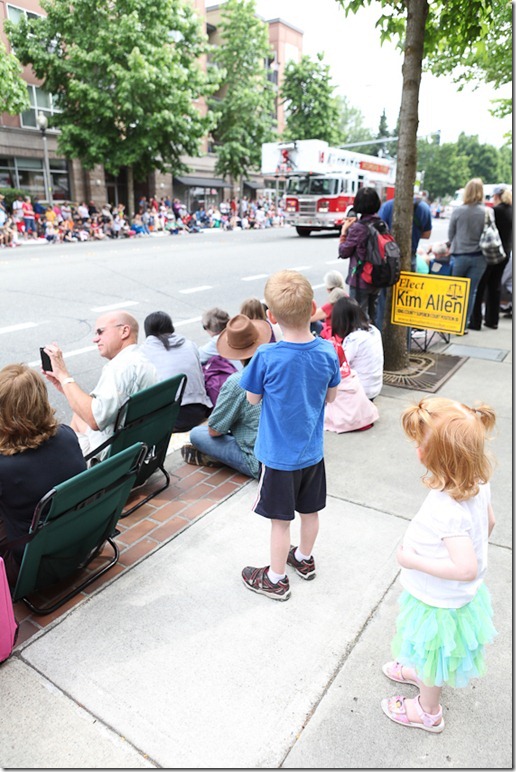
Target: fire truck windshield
317	186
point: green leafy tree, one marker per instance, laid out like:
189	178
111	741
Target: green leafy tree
245	107
382	148
14	97
351	126
505	165
488	55
311	107
441	30
445	168
125	75
483	159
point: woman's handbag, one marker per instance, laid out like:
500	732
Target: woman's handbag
490	241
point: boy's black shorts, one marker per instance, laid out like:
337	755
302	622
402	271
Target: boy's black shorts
283	493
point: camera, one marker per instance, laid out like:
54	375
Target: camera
46	364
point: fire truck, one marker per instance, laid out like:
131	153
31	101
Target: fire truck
321	181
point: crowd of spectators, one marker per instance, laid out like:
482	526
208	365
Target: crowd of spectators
66	222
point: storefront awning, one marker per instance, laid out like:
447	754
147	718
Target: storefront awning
202	182
253	184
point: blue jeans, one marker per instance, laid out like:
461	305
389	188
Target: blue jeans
224	449
470	266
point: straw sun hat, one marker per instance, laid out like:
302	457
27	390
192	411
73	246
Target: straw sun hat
242	337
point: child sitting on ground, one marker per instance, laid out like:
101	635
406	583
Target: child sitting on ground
295	378
445	618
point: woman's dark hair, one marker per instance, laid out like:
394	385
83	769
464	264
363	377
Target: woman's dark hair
367	201
347	316
160	325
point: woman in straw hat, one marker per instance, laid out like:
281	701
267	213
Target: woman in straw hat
229	437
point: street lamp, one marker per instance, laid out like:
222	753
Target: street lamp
42	122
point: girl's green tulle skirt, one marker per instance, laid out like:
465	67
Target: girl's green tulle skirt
444	645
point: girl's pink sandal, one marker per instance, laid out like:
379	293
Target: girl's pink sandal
394	708
394	671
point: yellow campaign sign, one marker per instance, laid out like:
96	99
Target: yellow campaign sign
430	302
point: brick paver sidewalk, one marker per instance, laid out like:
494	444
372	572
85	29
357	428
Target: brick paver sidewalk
192	492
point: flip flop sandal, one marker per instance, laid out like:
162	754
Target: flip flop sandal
394	708
393	670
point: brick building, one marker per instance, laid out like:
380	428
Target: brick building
21	142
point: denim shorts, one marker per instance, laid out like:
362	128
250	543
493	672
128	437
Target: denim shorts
283	493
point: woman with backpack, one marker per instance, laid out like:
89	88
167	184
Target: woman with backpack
353	245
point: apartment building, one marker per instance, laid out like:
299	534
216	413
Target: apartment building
22	162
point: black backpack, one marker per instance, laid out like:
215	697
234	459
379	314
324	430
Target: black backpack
382	264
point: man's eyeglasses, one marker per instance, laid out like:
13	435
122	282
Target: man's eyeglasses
100	330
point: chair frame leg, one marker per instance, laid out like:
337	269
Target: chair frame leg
128	512
41	610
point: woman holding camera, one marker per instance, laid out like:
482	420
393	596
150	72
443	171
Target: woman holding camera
36	453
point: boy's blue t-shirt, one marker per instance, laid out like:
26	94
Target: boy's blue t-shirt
293	379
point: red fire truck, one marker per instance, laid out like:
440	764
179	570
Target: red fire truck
321	181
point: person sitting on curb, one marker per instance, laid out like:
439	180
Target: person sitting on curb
172	354
254	309
127	372
214	322
232	427
321	319
361	342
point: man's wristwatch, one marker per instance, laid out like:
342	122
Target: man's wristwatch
67	380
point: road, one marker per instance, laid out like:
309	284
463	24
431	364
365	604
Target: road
55	293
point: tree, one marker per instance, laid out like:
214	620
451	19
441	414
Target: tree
125	77
440	29
382	148
14	89
312	109
505	165
487	57
482	159
351	126
446	169
244	110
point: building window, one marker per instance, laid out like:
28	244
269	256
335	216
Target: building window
40	101
27	174
15	14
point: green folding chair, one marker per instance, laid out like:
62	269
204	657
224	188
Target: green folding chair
148	416
71	525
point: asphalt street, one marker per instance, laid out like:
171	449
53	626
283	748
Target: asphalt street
56	292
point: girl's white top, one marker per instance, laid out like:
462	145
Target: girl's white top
440	517
364	352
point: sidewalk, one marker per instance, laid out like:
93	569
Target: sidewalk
173	663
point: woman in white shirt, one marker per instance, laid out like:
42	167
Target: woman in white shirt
362	343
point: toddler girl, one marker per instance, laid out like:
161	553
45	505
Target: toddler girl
445	617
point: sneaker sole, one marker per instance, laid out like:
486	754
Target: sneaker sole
306	577
286	596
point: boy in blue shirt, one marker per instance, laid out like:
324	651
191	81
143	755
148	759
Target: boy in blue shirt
295	378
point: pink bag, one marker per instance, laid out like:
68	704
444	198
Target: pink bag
8	625
351	410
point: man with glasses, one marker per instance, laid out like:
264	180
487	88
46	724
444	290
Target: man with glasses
127	372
